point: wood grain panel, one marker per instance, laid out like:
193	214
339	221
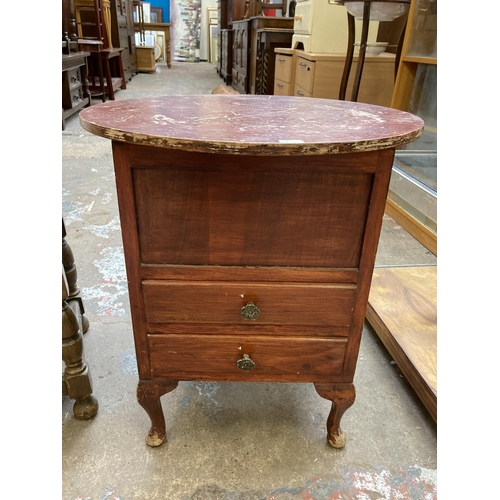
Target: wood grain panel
248	218
402	309
282	359
206	302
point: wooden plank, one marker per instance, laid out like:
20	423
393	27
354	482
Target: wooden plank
402	309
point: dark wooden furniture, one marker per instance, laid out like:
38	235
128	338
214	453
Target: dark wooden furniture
123	35
105	66
240	49
267	40
226	55
270	24
246	50
105	69
250	227
223	25
75	93
76	381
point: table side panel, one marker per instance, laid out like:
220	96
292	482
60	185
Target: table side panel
367	262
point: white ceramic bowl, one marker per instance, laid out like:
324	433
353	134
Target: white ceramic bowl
373	48
379	11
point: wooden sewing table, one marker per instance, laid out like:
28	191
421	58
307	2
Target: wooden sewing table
250	226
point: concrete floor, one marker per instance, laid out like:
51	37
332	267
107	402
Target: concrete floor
226	441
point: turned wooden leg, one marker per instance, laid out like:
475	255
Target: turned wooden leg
342	397
68	261
148	395
76	377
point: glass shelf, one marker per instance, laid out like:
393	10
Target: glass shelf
422	40
423	103
421	165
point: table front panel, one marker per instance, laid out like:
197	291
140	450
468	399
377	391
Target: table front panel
243	217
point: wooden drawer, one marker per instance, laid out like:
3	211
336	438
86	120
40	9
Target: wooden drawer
72	97
197	357
303	21
74	78
304	74
283	68
222	302
242	83
300	92
281	87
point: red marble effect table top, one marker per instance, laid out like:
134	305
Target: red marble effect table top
252	124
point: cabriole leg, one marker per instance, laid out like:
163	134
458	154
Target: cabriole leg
342	397
148	395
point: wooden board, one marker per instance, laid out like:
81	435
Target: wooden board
402	309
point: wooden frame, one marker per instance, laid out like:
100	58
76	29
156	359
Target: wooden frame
212	31
156	14
146	6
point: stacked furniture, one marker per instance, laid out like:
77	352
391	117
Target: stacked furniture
94	29
75	93
247	42
123	34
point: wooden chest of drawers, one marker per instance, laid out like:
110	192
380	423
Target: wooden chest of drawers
303	74
250	227
75	94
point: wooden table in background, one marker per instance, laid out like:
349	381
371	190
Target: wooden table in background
402	309
250	226
165	27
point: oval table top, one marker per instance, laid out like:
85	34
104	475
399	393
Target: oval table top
252	124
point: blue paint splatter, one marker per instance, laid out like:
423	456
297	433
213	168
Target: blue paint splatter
128	362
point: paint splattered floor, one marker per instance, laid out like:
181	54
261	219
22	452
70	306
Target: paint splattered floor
226	441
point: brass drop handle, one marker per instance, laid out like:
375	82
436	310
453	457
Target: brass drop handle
250	312
245	363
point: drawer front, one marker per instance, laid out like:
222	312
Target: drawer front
283	68
300	92
74	77
304	74
281	87
222	303
285	359
242	82
72	97
76	96
303	21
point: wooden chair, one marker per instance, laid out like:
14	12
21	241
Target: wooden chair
93	23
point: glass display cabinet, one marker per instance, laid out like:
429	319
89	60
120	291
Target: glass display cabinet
412	200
